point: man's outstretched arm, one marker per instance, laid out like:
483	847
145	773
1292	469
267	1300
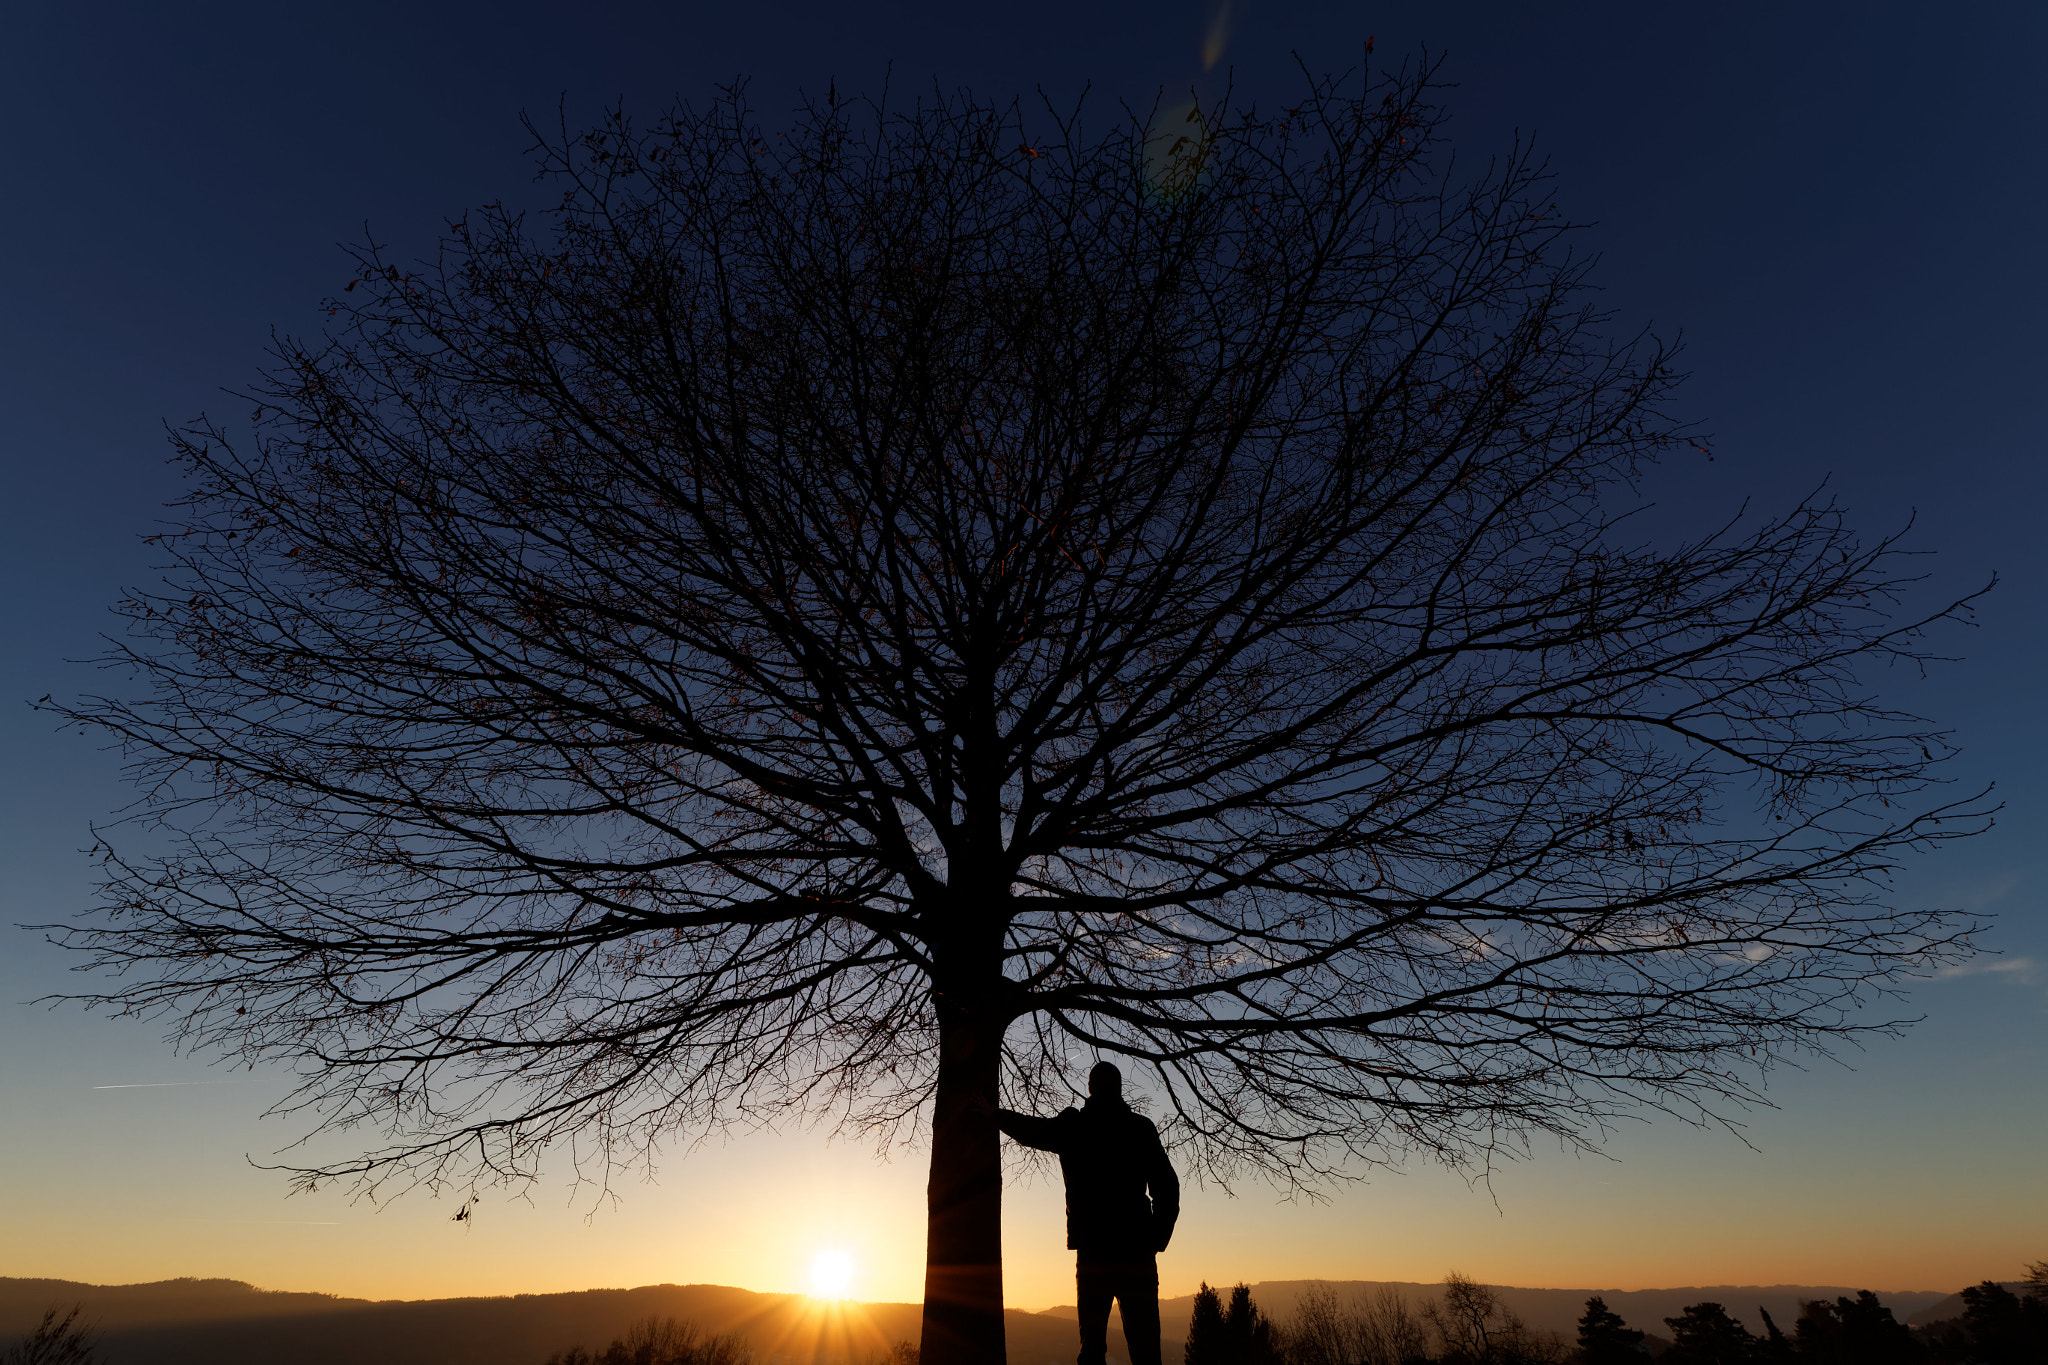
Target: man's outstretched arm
1044	1134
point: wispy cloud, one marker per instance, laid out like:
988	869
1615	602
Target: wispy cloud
2022	970
157	1085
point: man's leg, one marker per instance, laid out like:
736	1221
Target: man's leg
1094	1286
1137	1293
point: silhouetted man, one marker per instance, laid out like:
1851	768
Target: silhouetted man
1110	1157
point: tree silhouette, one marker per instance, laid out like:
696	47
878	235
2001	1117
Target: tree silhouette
1205	1327
1466	1319
1858	1331
1237	1334
1774	1346
1704	1334
1605	1339
851	622
1379	1330
1473	1327
1998	1327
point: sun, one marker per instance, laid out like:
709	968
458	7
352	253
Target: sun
831	1275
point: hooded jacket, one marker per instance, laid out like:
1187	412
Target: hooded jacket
1111	1158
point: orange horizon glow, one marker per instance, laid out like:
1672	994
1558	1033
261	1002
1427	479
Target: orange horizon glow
1686	1209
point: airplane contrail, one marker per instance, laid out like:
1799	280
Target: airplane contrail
155	1085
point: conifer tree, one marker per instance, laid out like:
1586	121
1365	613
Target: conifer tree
1205	1344
1704	1334
1605	1339
1776	1348
1239	1334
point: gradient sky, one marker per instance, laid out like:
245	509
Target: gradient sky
1841	205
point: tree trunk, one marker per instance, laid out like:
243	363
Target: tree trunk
963	1276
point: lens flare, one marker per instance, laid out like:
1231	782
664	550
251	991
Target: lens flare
1217	38
831	1275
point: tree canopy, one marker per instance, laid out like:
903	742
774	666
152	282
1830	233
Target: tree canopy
848	621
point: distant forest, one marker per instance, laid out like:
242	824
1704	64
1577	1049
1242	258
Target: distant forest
1469	1325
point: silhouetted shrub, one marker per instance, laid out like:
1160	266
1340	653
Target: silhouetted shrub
659	1341
55	1341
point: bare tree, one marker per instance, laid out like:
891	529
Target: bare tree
840	623
1321	1332
1473	1327
1376	1330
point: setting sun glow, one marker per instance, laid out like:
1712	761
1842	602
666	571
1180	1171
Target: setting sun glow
831	1275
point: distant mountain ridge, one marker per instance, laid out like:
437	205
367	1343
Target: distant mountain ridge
158	1304
205	1322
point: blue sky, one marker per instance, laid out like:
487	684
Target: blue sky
1839	205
